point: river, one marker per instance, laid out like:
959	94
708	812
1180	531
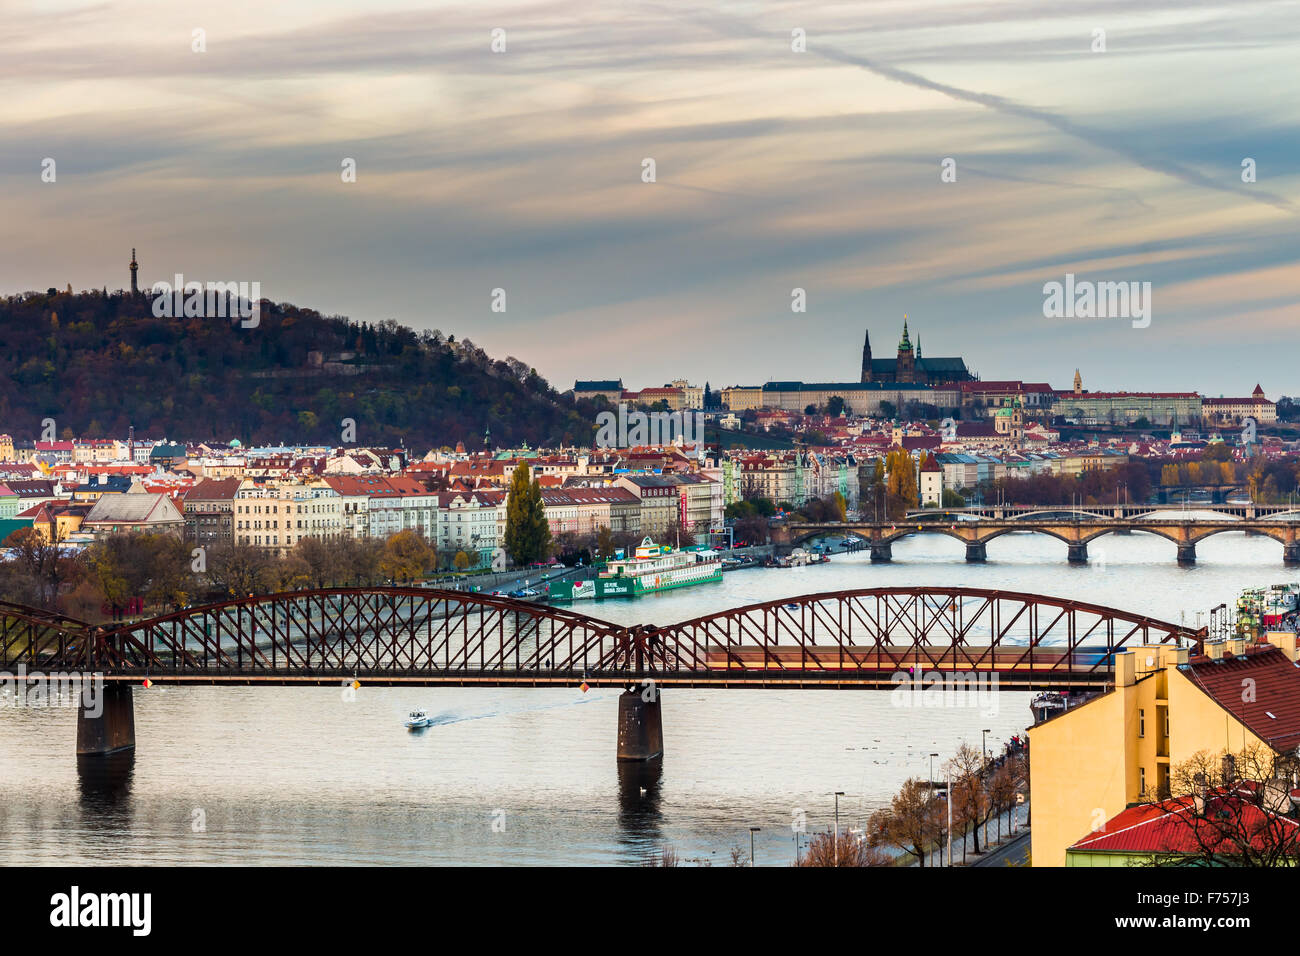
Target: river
528	776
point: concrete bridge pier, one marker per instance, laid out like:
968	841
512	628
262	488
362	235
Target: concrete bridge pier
1186	553
108	726
640	725
882	552
1291	553
975	551
1078	553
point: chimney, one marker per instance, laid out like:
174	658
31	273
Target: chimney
1229	770
1236	646
1214	650
1125	671
1285	641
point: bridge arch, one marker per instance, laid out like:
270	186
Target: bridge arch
333	632
871	635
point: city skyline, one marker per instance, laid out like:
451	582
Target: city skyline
775	170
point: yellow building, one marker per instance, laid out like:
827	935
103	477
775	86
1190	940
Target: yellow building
1087	764
742	398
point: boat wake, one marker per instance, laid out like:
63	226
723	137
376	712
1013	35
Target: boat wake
503	710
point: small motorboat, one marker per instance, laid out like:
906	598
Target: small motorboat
418	718
792	607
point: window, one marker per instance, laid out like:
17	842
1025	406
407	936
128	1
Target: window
1142	781
1142	724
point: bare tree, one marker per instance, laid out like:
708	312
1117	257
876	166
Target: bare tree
828	849
913	822
1229	809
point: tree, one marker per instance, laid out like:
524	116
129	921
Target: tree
835	406
972	806
753	531
406	557
605	542
1230	809
913	822
843	849
322	561
237	570
900	481
43	564
528	536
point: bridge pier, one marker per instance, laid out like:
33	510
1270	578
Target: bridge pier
109	726
1078	553
1291	553
882	552
975	551
1187	554
640	725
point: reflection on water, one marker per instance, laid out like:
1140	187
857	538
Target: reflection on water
105	782
639	815
302	775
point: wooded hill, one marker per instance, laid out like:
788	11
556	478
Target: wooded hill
97	363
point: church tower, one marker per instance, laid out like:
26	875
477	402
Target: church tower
906	360
135	289
1078	383
866	357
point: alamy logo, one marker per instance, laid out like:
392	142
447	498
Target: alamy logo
73	909
948	689
62	689
1085	299
215	300
640	428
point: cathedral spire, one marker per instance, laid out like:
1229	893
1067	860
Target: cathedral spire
135	289
866	356
905	344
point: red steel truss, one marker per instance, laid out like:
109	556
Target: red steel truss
860	638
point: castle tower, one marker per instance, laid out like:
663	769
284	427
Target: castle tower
1078	383
135	289
906	359
866	357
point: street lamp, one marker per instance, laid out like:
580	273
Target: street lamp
932	756
835	841
752	831
984	736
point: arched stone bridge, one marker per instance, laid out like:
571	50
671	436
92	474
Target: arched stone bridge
1076	530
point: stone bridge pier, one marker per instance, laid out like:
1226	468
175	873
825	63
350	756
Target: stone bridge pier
107	725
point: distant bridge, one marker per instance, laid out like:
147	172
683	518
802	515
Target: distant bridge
1075	528
1244	509
872	638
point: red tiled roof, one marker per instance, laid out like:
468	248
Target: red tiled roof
1173	826
1273	713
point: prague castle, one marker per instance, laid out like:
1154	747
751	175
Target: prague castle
910	367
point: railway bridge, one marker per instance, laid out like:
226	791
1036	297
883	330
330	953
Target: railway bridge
1074	529
877	638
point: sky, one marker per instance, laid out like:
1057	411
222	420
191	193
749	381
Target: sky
775	169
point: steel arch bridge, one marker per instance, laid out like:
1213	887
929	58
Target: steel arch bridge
857	638
871	638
